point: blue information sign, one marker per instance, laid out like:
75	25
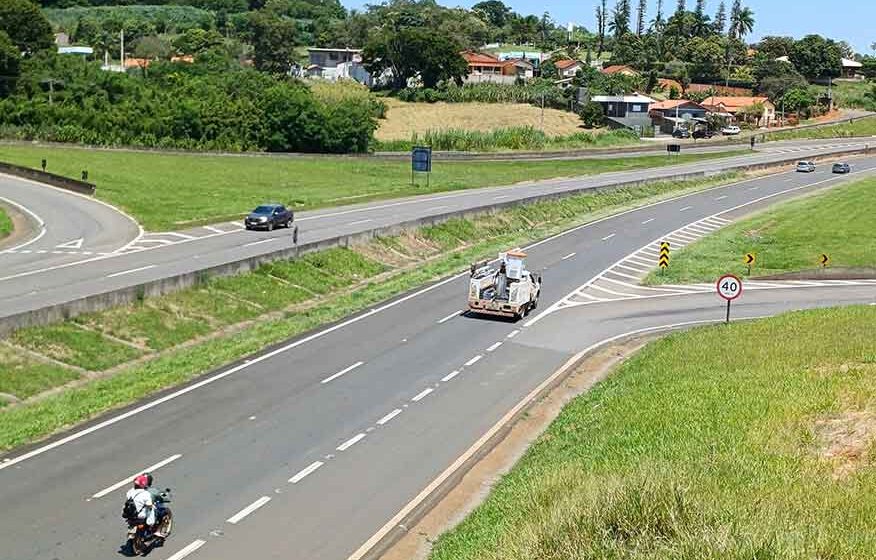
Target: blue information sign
421	159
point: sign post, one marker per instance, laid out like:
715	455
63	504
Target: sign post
729	288
663	261
421	162
749	259
673	149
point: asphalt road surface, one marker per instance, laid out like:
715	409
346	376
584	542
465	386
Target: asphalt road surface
34	277
309	448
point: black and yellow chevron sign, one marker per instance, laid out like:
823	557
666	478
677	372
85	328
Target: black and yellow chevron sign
824	259
664	255
749	259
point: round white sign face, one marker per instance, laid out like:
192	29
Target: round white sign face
729	287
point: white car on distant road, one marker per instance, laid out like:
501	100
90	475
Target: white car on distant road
730	130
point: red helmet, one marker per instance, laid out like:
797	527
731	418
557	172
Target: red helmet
141	481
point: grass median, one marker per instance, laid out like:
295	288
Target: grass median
111	358
752	440
5	223
172	191
787	237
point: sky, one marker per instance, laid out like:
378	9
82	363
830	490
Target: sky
849	20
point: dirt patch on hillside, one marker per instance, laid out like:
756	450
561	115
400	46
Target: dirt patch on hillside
477	482
844	440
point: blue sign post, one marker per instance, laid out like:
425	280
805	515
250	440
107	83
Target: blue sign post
421	162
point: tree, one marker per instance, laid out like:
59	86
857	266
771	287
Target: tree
773	47
196	41
734	17
25	25
720	22
413	51
701	25
601	19
548	69
494	12
640	17
10	65
658	17
151	48
744	23
273	41
681	7
816	57
797	100
773	78
705	57
591	114
620	18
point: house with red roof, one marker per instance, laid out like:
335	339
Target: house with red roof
733	106
568	68
621	69
484	67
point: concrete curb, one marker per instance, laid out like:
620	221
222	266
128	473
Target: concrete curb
58	181
131	294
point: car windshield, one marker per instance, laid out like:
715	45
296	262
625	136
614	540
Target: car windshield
263	210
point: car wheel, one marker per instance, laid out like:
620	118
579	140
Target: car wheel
288	223
270	226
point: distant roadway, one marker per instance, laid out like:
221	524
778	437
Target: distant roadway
311	449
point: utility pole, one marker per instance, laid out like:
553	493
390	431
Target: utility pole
123	49
542	111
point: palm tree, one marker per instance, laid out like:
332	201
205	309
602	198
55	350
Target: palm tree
744	22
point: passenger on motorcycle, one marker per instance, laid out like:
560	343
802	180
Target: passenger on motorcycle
144	502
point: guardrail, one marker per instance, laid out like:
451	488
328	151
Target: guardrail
59	181
131	294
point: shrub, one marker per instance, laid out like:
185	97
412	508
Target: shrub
591	114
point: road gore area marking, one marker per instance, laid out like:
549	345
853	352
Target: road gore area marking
130	479
131	271
240	515
305	471
342	372
195	545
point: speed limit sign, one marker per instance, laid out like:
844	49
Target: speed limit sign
729	287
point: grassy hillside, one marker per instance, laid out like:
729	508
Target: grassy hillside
165	191
748	441
790	236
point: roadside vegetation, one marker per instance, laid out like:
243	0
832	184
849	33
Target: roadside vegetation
500	139
5	223
172	191
787	237
865	126
752	440
111	358
853	95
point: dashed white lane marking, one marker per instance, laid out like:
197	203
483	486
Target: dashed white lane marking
494	346
214	229
721	197
436	208
455	372
685	209
473	361
342	372
422	394
260	242
132	271
195	545
513	333
607	237
500	197
239	516
389	417
305	471
569	256
753	188
131	478
648	221
449	317
350	442
357	222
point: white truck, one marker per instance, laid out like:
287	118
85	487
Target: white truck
507	291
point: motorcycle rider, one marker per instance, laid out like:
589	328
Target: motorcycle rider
144	502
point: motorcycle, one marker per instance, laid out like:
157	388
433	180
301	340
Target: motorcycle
141	539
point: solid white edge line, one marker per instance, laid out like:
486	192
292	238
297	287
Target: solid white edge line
351	442
389	417
32	214
342	372
422	394
131	478
176	394
449	317
569	256
268	240
474	360
357	222
193	546
450	376
131	271
484	439
240	515
305	471
494	346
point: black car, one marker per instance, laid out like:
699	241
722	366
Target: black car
269	216
703	133
681	133
842	168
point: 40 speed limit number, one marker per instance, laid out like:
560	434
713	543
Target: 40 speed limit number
729	287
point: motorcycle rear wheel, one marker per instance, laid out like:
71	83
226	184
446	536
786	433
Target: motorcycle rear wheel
166	524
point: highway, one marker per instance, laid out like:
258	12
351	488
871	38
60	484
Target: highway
35	277
310	448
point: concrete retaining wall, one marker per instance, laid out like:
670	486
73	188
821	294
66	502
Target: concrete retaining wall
48	178
155	288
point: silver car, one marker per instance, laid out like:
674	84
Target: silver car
805	166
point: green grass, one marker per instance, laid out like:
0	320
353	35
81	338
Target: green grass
851	95
334	269
5	223
861	127
165	191
72	345
147	325
22	376
706	445
786	237
503	139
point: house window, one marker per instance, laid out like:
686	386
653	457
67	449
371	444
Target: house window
637	108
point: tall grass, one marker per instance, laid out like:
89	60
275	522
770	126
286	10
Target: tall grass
513	138
530	92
